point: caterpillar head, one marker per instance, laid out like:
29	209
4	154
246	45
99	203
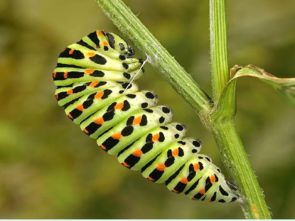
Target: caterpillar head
120	45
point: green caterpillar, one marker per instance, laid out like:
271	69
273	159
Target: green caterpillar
93	80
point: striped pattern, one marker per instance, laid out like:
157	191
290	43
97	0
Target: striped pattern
93	84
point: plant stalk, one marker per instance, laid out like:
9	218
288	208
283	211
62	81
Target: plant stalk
223	128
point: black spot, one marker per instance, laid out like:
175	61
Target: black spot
127	131
126	106
149	138
122	57
161	137
144	105
126	75
87	103
130	120
181	142
176	136
180	152
126	85
164	127
125	65
179	187
75	74
79	88
108	116
131	160
213	198
111	107
191	175
198	196
148	110
92	127
143	121
194	151
106	93
68	52
207	158
169	161
75	113
234	199
94	38
150	95
201	166
173	176
111	39
131	95
179	127
61	95
222	191
106	48
196	143
221	201
110	143
161	120
98	59
147	147
156	174
208	184
166	110
97	73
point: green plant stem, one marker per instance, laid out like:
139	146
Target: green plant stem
224	131
131	26
218	47
235	157
223	128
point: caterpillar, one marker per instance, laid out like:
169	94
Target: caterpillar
93	80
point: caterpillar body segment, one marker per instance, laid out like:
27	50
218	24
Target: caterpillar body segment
93	84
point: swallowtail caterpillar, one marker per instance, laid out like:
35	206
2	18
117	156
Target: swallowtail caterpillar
93	85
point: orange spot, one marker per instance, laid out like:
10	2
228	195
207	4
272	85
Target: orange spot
65	75
137	153
196	167
99	121
155	137
80	107
184	180
71	51
117	136
119	106
175	152
88	71
70	91
161	167
90	54
99	95
125	164
202	191
105	43
93	84
212	179
137	120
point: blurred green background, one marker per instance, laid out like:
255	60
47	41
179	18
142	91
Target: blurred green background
49	169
